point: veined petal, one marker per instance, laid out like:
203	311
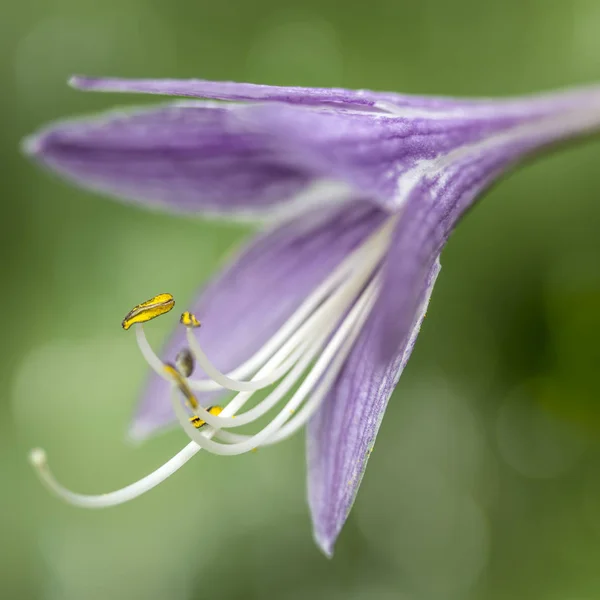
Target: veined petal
370	152
436	194
437	198
384	156
342	434
352	99
230	90
189	157
257	292
252	160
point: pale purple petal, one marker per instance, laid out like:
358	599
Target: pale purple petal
259	290
253	159
438	197
230	90
189	158
342	434
365	99
386	156
371	152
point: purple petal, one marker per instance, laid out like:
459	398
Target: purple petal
190	158
342	433
439	193
253	159
251	92
384	156
230	90
370	152
256	294
437	199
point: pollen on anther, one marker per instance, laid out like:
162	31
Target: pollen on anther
148	310
188	319
197	422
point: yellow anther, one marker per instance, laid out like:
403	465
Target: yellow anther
197	422
188	319
184	362
159	305
182	385
173	372
215	411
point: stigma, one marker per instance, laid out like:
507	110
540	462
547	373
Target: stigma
297	367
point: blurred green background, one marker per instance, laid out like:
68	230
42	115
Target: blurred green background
485	481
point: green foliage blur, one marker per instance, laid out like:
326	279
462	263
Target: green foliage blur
485	480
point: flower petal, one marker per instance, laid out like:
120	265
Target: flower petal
252	160
230	90
370	152
257	292
342	433
435	196
190	157
384	156
354	99
436	200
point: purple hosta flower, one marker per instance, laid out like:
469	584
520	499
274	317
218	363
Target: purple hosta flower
361	190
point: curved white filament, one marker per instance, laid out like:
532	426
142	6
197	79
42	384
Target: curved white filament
286	360
371	251
305	387
313	333
322	321
38	459
363	259
325	319
305	413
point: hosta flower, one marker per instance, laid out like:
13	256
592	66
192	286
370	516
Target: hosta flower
359	192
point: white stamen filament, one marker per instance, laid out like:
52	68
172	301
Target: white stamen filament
363	259
322	330
342	339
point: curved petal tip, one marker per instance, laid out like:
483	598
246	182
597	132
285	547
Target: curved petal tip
325	543
82	82
32	145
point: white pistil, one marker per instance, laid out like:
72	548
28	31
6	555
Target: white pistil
38	459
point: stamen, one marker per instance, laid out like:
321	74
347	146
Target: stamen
366	256
184	362
356	316
159	305
362	260
335	304
301	417
326	319
181	383
270	401
197	422
208	385
188	319
317	331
